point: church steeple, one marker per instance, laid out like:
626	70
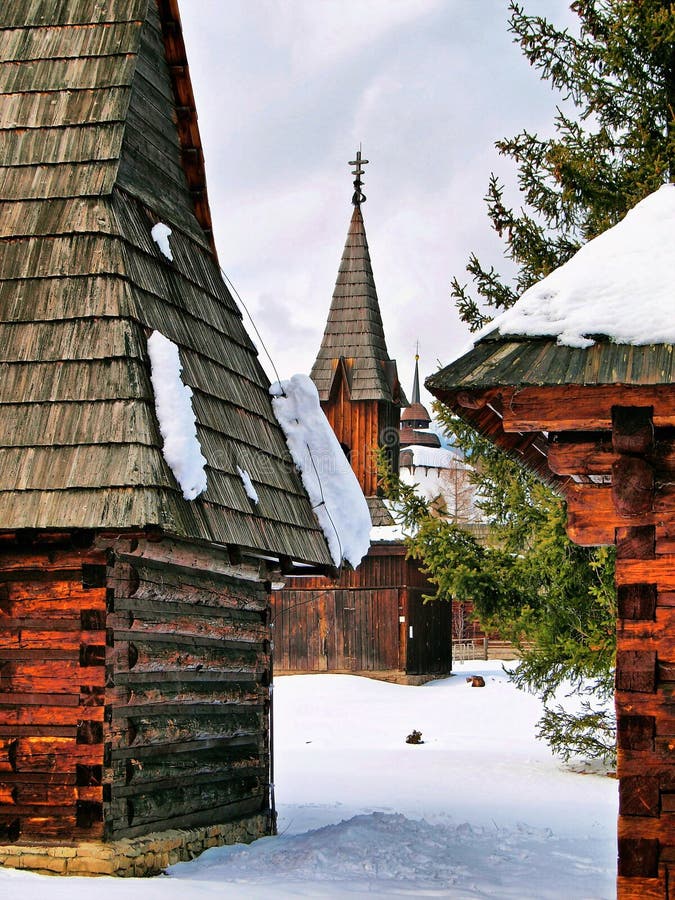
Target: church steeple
354	332
415	419
357	381
416	379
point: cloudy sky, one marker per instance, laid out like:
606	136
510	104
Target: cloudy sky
286	91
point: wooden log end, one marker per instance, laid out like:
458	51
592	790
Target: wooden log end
632	429
632	486
638	857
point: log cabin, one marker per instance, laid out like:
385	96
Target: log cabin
373	620
134	614
594	417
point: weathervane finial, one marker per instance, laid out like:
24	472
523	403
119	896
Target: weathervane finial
359	197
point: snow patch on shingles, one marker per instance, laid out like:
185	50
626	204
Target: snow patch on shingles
160	234
333	489
177	424
620	284
251	492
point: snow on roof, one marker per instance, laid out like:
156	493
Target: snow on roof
176	417
160	235
332	486
620	284
432	457
387	533
251	492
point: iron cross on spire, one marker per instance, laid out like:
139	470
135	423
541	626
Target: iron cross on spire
359	197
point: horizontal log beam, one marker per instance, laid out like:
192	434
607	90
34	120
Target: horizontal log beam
573	407
216	775
49	715
581	456
191	676
228	813
187	709
13	561
592	519
155	750
194	610
653	762
659	706
640	888
648	828
659	571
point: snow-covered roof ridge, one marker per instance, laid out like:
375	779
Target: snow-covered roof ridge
620	285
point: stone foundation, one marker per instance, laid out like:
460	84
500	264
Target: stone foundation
135	857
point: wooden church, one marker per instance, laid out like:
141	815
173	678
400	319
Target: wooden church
134	623
596	420
372	620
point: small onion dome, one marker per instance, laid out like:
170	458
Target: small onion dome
409	437
415	413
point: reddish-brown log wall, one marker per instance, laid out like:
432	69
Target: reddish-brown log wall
134	689
355	624
645	679
52	653
636	514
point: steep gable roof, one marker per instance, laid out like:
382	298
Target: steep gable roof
100	142
354	331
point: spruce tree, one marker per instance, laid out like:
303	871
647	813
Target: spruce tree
613	143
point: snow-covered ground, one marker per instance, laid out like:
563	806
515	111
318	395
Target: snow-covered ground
479	810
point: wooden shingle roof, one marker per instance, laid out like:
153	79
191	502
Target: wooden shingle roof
516	360
354	331
100	142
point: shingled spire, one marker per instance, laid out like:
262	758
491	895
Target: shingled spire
357	381
354	333
416	380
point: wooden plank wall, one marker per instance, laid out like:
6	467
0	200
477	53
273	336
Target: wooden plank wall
357	426
353	624
336	630
187	698
52	651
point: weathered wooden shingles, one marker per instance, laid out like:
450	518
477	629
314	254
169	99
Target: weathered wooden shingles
90	161
498	360
354	328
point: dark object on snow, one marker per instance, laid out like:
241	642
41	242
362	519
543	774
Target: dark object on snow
476	680
415	737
